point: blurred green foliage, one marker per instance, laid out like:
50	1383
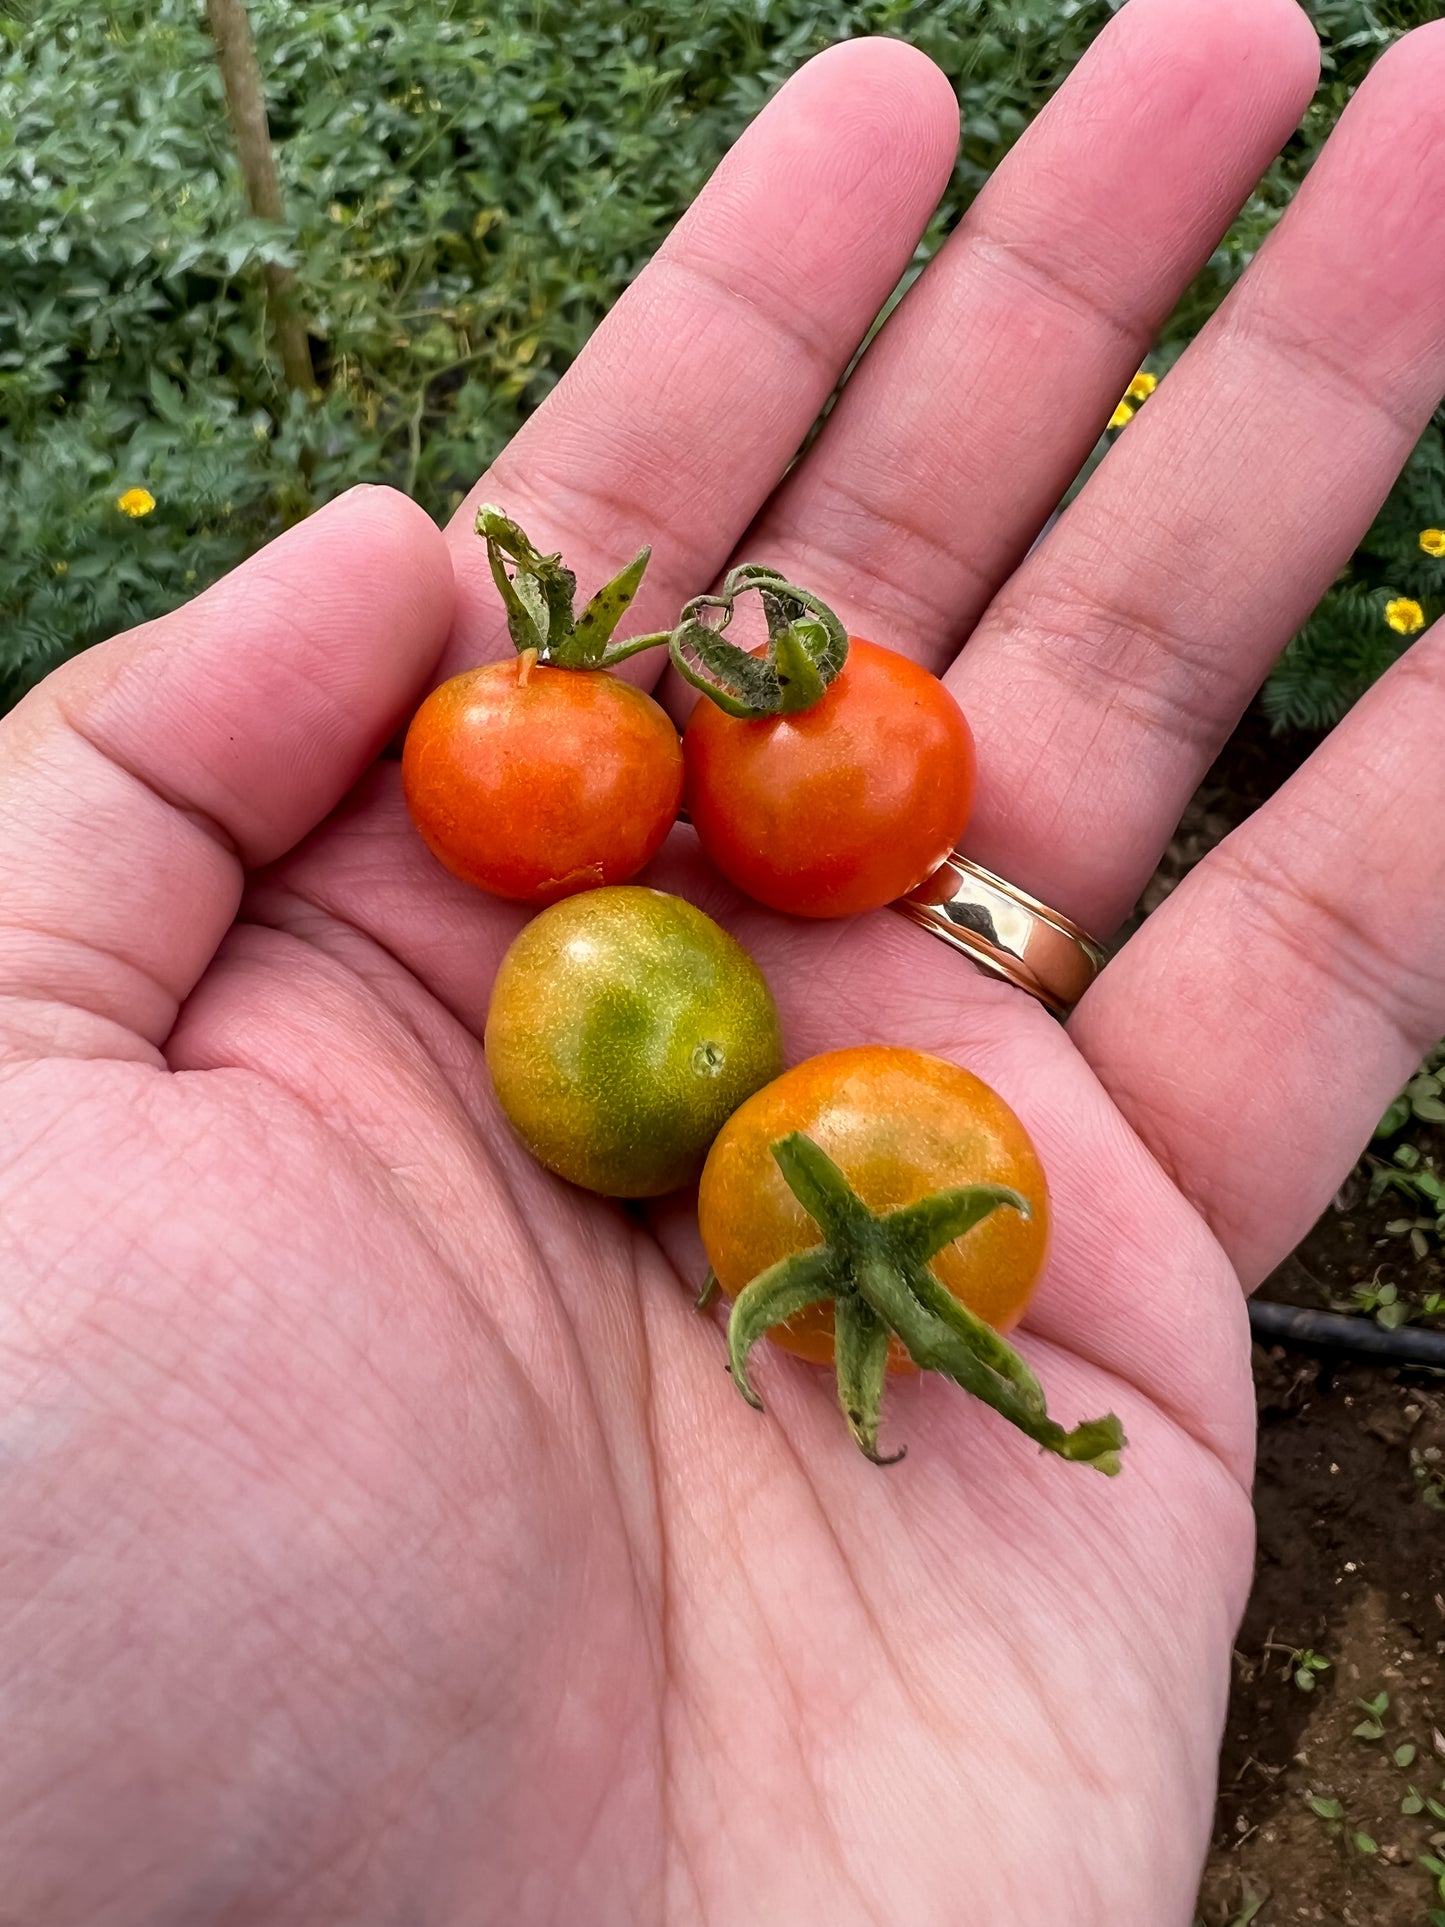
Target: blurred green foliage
468	189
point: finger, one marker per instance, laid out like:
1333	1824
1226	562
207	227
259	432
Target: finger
1255	1029
1109	671
1009	354
139	780
698	388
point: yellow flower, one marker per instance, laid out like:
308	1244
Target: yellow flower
1432	541
1121	416
61	568
1405	616
1142	386
135	502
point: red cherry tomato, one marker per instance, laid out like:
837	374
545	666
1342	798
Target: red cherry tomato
535	782
838	808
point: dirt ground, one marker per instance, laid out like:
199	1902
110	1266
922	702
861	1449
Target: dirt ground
1350	1565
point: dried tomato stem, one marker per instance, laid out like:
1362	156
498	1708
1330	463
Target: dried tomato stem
807	647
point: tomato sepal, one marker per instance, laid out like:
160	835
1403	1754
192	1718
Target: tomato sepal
771	1299
539	594
860	1349
807	646
874	1267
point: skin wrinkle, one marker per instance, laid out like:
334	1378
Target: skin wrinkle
785	323
365	1168
210	826
840	1855
288	911
336	699
23	1044
1015	261
1113	661
798	1722
243	1394
1273	340
1349	957
68	940
925	612
661	1590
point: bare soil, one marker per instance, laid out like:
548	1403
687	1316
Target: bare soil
1351	1566
1351	1557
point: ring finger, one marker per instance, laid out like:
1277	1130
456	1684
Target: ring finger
1108	670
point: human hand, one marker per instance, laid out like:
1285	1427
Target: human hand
383	1539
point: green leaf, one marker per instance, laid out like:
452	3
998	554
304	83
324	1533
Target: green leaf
1368	1730
1325	1806
1404	1755
1364	1844
1413	1802
1395	1118
599	620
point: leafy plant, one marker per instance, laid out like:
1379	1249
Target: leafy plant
1428	1472
1412	1175
1388	1305
468	191
1372	1726
1423	1098
1305	1665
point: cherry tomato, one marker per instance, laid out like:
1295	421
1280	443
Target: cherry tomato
535	782
625	1026
900	1126
838	808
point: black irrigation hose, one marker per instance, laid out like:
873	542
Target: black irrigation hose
1406	1345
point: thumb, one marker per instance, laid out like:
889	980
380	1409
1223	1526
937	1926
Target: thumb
138	782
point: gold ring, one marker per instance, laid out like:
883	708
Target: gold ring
1006	932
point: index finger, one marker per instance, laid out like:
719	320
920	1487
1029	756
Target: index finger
677	420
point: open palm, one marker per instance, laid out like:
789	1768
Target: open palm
383	1539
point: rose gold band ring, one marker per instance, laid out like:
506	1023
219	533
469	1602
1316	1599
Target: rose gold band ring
1006	932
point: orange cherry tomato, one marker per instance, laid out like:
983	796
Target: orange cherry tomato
842	807
900	1125
535	782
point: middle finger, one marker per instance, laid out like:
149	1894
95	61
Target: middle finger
980	401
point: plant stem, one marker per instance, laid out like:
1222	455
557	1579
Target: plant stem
246	108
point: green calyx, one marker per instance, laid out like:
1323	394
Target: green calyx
874	1269
540	594
807	646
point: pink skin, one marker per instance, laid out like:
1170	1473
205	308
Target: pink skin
382	1538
